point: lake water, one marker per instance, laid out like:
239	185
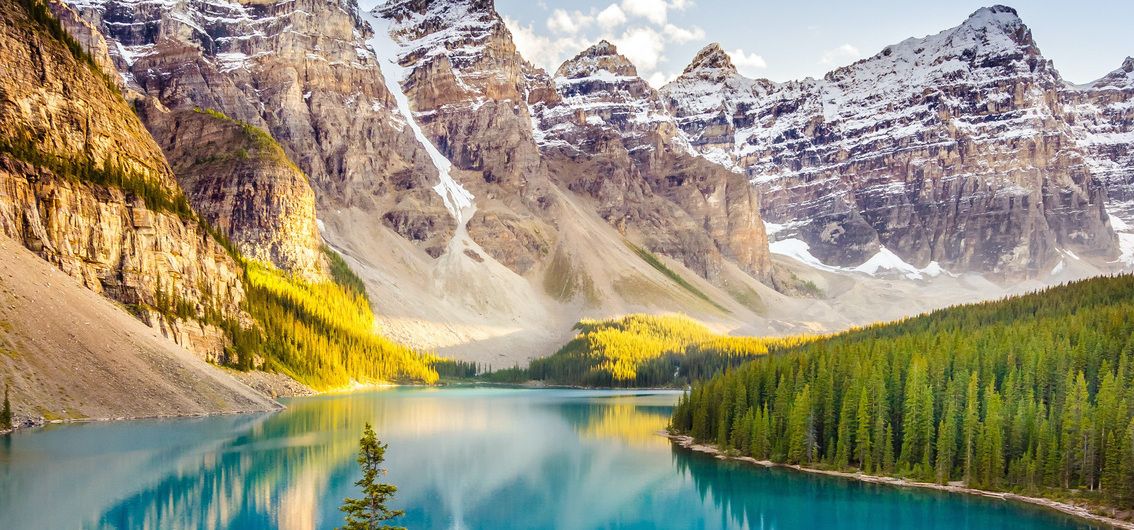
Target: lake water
475	458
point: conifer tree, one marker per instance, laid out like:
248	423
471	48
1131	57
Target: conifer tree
370	512
1076	432
990	445
844	434
1033	394
888	450
863	450
946	444
917	409
971	429
801	429
6	412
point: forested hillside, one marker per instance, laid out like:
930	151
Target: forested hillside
644	351
321	334
1032	394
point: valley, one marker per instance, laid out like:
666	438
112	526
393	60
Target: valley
915	267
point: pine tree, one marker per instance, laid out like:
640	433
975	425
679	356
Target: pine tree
801	429
888	451
1076	433
6	412
844	434
1125	493
971	429
863	449
700	415
370	512
1111	481
946	444
917	413
990	444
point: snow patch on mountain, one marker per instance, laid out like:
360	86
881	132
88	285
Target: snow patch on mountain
458	30
1124	230
885	262
457	199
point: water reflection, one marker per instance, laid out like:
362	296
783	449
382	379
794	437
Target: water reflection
462	458
750	497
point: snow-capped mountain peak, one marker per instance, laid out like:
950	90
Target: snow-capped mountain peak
598	60
871	155
712	59
1122	78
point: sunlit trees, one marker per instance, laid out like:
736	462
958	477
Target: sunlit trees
649	351
322	334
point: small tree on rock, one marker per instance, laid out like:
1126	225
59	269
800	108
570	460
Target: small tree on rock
370	512
6	412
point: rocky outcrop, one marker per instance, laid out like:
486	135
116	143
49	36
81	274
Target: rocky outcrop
84	186
306	72
468	88
1103	116
952	148
241	181
300	70
610	137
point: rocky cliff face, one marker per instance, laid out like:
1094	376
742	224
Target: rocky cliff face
952	148
300	70
468	87
478	99
243	184
1103	115
84	186
610	136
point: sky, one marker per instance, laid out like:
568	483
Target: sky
786	40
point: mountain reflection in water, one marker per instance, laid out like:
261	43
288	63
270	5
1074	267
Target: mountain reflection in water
477	458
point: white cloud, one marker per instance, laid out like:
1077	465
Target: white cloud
652	10
611	17
643	46
540	49
682	35
842	54
571	23
658	79
747	62
639	29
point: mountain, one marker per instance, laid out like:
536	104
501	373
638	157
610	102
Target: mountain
89	206
1103	117
88	189
241	181
487	204
951	149
610	136
300	71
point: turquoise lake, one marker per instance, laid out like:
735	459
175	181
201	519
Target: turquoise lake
465	458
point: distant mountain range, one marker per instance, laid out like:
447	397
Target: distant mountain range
487	204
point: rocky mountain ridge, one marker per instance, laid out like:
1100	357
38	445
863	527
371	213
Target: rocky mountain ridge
951	149
1102	114
610	136
87	189
485	201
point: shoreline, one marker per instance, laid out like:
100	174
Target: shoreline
30	424
687	442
